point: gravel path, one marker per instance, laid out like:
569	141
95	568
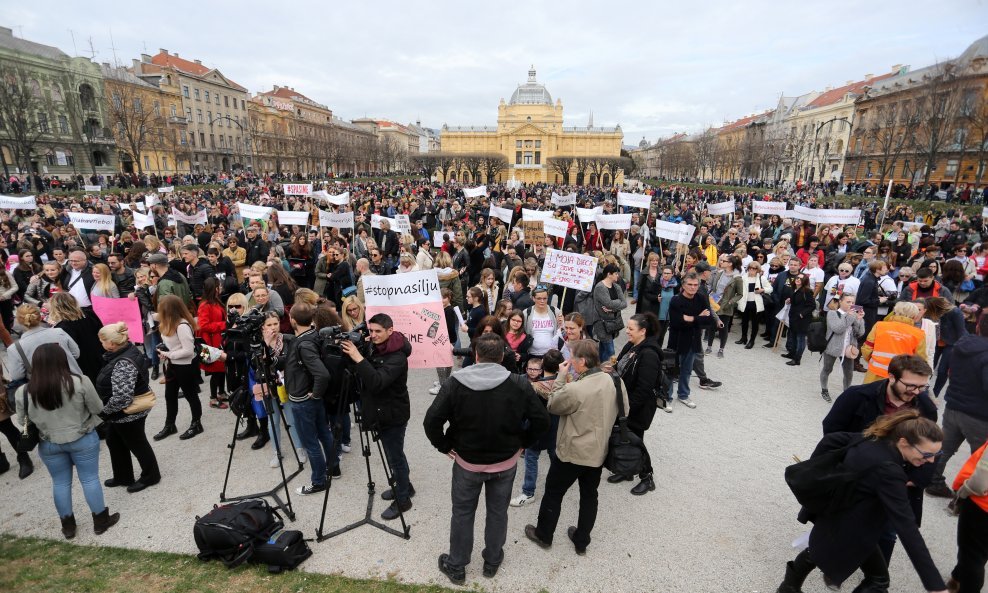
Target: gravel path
721	518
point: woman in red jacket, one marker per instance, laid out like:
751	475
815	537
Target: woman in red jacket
212	324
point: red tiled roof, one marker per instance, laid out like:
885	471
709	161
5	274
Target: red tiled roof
165	59
740	123
285	93
832	96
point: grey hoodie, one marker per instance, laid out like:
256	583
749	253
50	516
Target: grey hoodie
482	376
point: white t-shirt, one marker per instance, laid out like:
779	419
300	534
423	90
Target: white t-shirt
543	332
835	284
815	275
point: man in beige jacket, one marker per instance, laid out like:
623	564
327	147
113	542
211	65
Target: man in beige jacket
587	409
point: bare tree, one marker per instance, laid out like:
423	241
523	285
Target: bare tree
597	165
974	110
887	130
472	163
561	165
424	162
444	162
796	149
493	163
937	106
133	123
24	110
704	151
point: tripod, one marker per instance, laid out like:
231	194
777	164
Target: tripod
348	391
267	379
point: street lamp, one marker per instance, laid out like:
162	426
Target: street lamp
243	132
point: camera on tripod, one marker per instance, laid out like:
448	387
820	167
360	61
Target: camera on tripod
334	336
244	329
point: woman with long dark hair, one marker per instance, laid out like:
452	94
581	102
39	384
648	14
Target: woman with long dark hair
26	269
65	407
212	324
301	261
177	329
846	540
801	307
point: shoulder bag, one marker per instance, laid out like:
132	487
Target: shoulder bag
624	448
13	385
30	435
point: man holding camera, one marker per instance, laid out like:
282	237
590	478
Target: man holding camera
385	404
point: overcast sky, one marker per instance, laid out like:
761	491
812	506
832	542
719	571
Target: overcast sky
656	68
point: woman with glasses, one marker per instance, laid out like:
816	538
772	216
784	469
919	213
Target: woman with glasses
514	334
847	540
842	283
725	290
353	313
799	297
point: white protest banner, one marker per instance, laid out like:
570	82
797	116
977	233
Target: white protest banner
910	226
17	202
680	233
505	214
531	215
167	189
559	200
338	200
984	212
403	224
839	216
92	188
439	237
249	211
803	213
763	207
320	193
200	217
151	200
143	221
572	270
634	200
98	222
474	192
124	206
556	228
341	220
587	215
376	222
140	206
293	217
614	222
297	189
722	208
415	306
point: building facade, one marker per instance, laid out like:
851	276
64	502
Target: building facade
290	132
530	132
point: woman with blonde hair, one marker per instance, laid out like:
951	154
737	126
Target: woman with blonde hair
449	278
353	313
123	378
489	286
178	329
103	285
65	314
34	335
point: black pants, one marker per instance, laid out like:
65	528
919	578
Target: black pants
217	383
13	436
186	378
639	419
124	438
561	476
663	329
749	322
727	320
972	547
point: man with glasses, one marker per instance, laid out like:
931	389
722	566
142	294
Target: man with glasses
907	386
377	264
78	278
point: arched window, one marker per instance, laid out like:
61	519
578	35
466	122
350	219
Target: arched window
87	97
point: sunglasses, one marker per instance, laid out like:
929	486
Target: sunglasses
926	454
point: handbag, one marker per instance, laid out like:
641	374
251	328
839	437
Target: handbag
141	403
30	435
624	448
613	325
967	285
13	385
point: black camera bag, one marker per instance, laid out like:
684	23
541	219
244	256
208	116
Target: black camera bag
231	531
283	551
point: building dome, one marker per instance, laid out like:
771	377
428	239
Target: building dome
531	93
977	50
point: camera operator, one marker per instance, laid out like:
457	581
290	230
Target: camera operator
385	402
306	380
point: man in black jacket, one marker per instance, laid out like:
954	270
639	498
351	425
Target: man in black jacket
197	270
859	406
492	416
385	403
689	314
257	248
121	275
306	381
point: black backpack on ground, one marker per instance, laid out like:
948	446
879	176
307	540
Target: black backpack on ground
231	531
282	551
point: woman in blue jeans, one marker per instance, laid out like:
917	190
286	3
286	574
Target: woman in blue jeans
64	407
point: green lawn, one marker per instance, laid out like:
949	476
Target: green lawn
37	565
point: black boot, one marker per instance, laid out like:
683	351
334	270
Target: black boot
743	340
27	466
166	432
194	429
750	344
4	464
68	526
262	439
103	521
646	485
873	585
250	431
796	572
155	373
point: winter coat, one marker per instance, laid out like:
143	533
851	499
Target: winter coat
640	374
450	278
759	299
839	324
84	333
801	307
587	409
212	324
385	380
602	299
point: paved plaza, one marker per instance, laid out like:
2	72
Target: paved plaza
720	519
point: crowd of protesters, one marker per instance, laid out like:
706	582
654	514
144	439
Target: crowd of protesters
911	287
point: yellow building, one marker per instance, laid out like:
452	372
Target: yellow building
537	147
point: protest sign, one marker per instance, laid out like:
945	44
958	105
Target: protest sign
92	188
984	212
438	238
339	200
763	207
535	214
533	231
297	189
200	217
680	233
376	221
722	208
559	200
505	214
614	222
402	224
124	206
634	200
143	221
587	215
115	310
98	222
166	189
802	213
151	200
474	192
556	228
571	270
413	302
341	220
850	216
293	217
140	206
251	212
18	202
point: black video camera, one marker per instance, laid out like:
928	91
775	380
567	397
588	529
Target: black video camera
244	329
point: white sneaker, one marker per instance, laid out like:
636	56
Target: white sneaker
345	448
521	500
302	457
688	403
274	461
436	386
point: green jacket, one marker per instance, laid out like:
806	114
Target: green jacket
174	283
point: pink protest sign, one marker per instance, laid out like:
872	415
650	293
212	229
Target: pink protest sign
413	302
571	270
115	310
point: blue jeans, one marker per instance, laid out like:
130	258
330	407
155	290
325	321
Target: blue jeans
274	427
532	469
151	342
343	420
315	436
82	453
606	350
393	442
800	340
685	370
637	274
